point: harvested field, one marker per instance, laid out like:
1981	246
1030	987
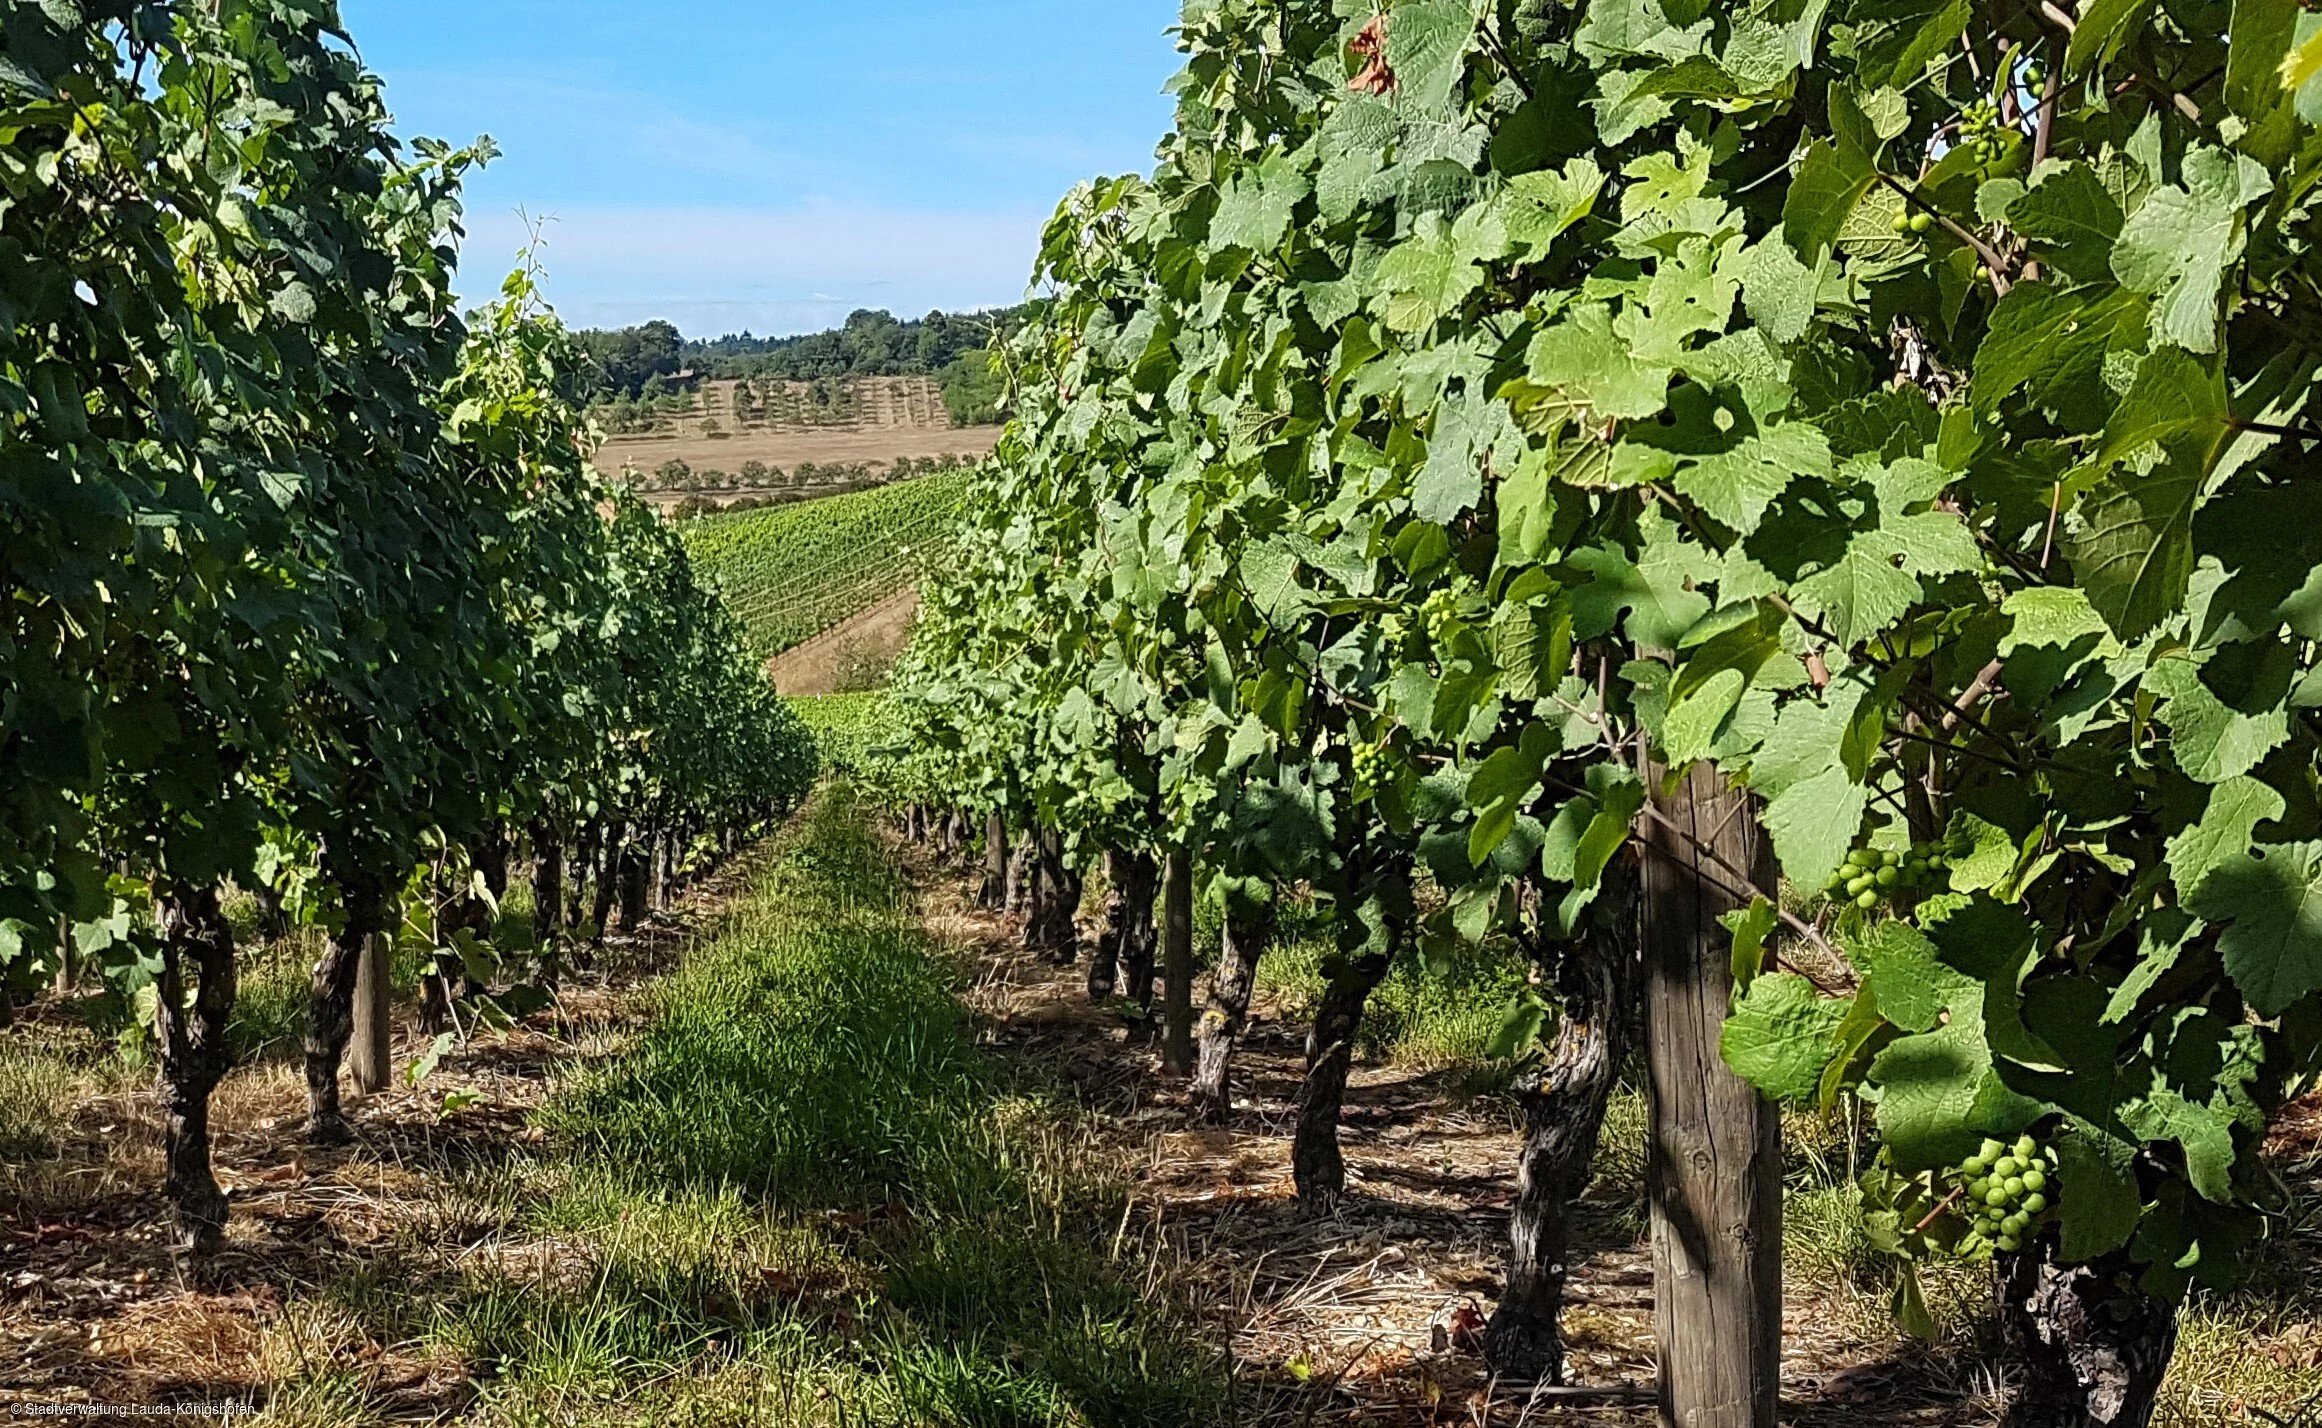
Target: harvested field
882	420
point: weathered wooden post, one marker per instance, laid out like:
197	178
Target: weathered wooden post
1714	1165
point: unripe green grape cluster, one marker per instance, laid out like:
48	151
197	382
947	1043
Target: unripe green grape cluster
1370	764
2006	1190
1870	876
1440	610
1979	131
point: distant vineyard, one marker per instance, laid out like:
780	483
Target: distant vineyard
845	726
790	573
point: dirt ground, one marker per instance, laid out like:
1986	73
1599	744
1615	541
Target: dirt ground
95	1310
1367	1316
787	447
865	642
896	419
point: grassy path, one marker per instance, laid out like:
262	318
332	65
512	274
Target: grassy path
811	1199
779	1185
794	1180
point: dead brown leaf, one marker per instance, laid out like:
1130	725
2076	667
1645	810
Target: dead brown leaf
1377	77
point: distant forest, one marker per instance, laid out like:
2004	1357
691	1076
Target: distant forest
655	360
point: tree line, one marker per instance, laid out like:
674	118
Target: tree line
1799	518
305	574
654	360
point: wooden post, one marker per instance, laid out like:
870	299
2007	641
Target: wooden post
1714	1168
370	1052
1177	964
993	895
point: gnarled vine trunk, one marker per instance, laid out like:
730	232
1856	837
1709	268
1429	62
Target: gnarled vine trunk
195	1056
584	873
1231	986
1564	1102
1177	963
1125	948
1316	1162
330	1015
1023	871
2093	1346
632	874
547	888
1050	925
608	881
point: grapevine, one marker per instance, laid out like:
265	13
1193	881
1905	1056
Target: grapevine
1906	411
297	562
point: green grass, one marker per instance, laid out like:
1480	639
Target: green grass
1443	1019
36	1087
805	1196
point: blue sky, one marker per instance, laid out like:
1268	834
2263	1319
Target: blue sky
774	166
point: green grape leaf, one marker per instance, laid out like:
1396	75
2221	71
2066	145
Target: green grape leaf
1990	853
1620	797
2177	246
1427	43
2226	831
2105	26
2072	220
2205	1133
1779	292
2051	343
1750	927
1863	592
1520	1027
1469	427
1540	206
1255	211
1912	983
1780	1036
1532	645
1829	187
2272	896
1813	823
1580	369
1934	1089
2051	616
2097	1194
1425	278
2260	39
2210	740
1736	486
2133	548
1658	608
1805	740
1691	727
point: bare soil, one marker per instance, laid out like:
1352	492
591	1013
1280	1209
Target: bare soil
868	641
94	1309
1369	1315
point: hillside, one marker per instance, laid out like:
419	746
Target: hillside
785	439
795	571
